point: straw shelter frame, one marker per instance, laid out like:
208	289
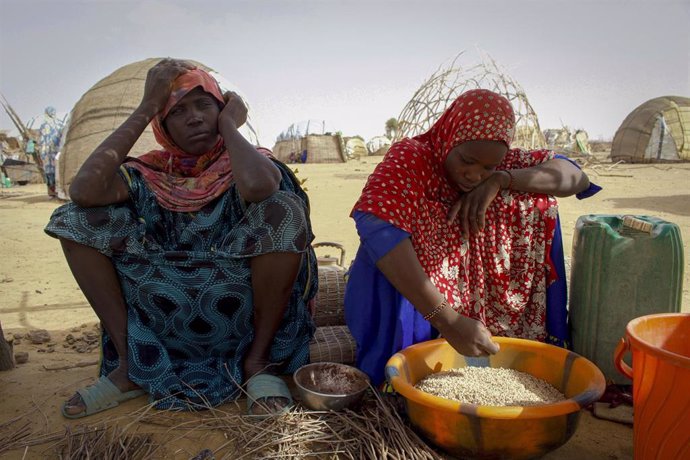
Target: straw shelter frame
447	83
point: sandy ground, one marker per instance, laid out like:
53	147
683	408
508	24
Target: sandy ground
37	291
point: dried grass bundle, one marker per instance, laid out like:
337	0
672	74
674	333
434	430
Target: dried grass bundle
22	431
373	431
103	442
14	433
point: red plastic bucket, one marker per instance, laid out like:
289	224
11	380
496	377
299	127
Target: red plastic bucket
660	372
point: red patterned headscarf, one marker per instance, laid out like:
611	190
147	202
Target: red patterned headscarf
181	181
497	275
477	114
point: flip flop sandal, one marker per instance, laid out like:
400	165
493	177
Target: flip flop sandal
263	386
101	396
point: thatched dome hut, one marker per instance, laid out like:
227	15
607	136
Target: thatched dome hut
355	147
656	131
447	83
104	107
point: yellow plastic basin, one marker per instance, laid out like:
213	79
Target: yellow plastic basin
510	432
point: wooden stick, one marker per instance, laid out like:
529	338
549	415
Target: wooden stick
6	353
70	366
616	175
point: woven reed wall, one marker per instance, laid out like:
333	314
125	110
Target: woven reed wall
284	149
321	148
324	148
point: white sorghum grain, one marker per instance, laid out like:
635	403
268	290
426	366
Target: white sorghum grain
488	386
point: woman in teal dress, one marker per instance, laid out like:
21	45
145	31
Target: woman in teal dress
196	257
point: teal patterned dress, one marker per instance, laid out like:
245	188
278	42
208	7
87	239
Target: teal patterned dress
186	282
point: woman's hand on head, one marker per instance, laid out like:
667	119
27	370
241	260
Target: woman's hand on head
471	206
467	336
234	111
159	80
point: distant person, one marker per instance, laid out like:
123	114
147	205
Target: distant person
459	235
4	179
30	149
50	133
195	257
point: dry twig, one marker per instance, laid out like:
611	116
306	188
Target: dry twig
106	443
70	366
374	430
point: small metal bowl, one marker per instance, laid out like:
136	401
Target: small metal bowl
330	386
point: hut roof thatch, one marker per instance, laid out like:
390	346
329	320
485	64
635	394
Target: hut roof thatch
657	130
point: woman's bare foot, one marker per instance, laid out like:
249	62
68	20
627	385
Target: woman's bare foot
75	405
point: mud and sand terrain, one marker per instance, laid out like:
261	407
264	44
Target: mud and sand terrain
37	291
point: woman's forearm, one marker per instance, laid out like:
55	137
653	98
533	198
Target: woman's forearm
97	182
402	269
555	177
255	175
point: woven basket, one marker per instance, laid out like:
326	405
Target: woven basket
332	344
329	309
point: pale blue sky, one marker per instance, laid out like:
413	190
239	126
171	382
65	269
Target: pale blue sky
355	63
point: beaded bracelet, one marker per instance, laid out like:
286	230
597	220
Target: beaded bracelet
436	310
510	183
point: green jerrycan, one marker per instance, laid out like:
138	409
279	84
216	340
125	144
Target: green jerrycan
623	267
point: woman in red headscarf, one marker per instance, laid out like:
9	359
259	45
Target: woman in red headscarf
196	257
457	236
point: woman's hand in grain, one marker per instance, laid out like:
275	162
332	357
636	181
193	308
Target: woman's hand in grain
467	336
